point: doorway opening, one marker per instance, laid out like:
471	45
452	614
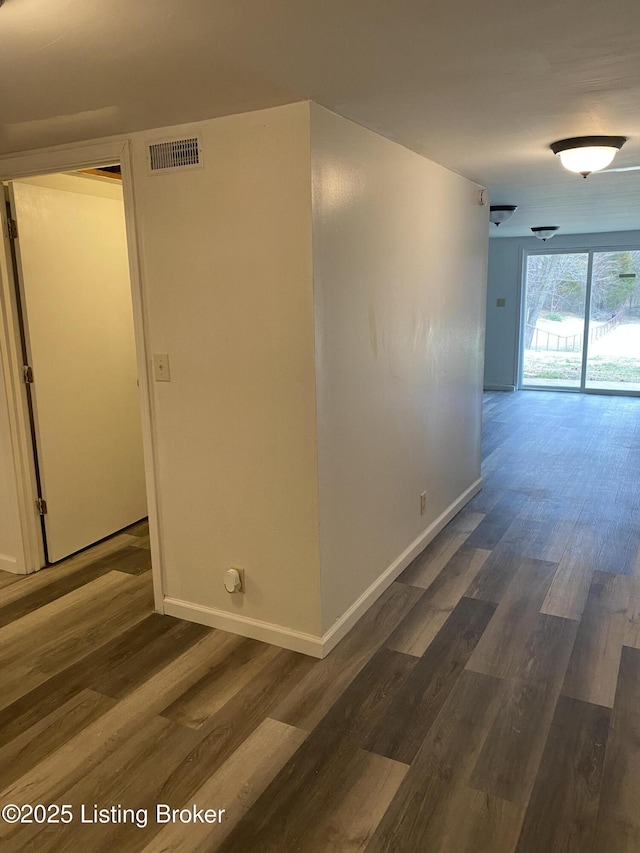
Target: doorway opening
580	323
75	321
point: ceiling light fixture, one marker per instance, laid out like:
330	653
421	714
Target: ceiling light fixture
586	154
545	232
499	213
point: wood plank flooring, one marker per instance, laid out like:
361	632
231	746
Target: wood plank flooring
489	702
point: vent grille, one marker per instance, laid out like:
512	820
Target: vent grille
175	154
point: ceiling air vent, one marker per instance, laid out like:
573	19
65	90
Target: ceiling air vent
175	154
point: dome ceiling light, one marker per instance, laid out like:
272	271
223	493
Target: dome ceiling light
499	213
545	232
586	154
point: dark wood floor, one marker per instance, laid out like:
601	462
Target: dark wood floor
489	701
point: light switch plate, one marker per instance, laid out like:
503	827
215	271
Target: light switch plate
161	372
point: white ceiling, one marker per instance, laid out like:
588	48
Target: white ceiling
480	87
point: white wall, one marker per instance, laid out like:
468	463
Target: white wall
400	250
226	254
505	281
315	392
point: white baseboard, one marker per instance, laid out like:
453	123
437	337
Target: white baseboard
9	564
359	607
491	387
310	644
297	641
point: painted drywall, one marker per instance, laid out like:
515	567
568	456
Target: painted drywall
506	257
320	294
400	252
79	183
227	271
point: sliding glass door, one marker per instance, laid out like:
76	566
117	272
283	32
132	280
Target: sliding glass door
554	320
613	342
581	321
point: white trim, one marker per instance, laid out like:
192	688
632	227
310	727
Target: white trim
297	641
67	158
63	158
9	564
309	644
359	607
520	308
141	329
490	386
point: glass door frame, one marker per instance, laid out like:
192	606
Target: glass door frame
520	332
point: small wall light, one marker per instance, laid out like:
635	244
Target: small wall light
545	232
586	154
499	213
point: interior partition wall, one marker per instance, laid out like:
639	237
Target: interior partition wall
580	321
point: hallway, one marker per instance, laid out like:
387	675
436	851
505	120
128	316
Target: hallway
488	701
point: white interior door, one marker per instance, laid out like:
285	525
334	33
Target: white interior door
76	296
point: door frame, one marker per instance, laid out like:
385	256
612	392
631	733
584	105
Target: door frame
590	251
70	158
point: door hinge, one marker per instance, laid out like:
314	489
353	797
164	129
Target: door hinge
27	372
12	229
41	506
